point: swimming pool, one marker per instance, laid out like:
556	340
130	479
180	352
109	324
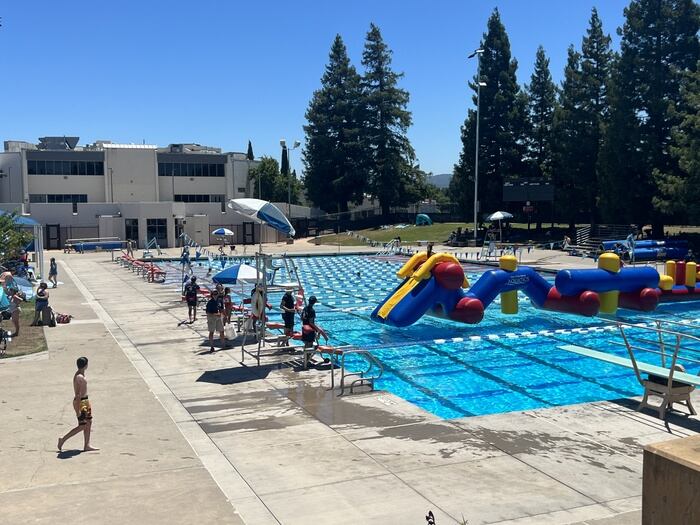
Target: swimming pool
505	363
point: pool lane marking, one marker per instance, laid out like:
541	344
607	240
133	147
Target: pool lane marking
565	371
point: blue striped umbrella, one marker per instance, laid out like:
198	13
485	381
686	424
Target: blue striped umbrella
222	231
263	212
236	273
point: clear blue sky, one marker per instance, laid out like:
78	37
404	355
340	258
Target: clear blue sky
220	73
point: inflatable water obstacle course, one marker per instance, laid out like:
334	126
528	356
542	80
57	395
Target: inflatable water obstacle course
437	286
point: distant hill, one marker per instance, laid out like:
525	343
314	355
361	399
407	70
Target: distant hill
441	181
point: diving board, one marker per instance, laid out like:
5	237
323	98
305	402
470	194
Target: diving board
627	363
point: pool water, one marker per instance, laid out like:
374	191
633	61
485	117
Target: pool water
505	363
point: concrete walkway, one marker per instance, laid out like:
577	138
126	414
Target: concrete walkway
280	447
145	471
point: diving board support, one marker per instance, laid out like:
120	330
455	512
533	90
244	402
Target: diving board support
672	384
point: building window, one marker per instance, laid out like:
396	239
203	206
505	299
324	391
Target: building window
37	197
64	167
158	229
199	198
241	190
190	169
53	198
131	229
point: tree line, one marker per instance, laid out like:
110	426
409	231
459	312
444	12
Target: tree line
617	138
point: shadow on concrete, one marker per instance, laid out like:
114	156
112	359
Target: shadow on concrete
236	341
231	376
678	417
67	454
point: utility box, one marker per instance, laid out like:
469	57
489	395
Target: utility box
197	228
671	482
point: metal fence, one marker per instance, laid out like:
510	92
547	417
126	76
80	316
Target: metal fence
373	218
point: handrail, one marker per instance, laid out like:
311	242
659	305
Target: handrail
661	330
630	349
389	248
363	378
93	239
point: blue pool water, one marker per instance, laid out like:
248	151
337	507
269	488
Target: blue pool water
505	363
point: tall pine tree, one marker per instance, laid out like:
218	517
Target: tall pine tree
501	141
596	59
680	192
541	100
570	130
390	154
659	46
333	154
583	106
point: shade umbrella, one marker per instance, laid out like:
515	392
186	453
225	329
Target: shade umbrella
223	232
263	212
499	216
236	274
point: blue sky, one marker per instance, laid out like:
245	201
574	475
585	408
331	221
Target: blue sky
224	72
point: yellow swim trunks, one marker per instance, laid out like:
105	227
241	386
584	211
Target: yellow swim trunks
85	414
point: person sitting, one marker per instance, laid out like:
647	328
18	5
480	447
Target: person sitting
310	331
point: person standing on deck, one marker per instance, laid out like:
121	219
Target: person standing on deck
81	405
191	290
288	313
215	322
53	272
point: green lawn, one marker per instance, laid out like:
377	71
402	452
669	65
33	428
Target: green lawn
438	232
31	338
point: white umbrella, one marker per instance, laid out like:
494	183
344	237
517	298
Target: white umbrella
222	231
499	216
237	273
263	212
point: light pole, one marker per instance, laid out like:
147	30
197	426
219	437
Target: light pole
477	53
111	184
283	143
9	181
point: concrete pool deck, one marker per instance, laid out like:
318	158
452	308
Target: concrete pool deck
182	432
540	258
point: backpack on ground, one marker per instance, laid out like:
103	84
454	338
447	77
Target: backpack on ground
47	317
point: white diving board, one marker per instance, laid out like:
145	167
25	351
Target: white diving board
627	363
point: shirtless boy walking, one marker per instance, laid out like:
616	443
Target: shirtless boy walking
81	404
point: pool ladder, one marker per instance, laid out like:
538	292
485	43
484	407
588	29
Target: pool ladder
389	249
365	377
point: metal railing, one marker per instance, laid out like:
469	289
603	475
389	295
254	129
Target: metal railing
365	377
390	248
666	344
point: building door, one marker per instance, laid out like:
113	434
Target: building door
158	229
179	229
53	236
131	230
248	233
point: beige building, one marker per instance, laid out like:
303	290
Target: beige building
131	191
